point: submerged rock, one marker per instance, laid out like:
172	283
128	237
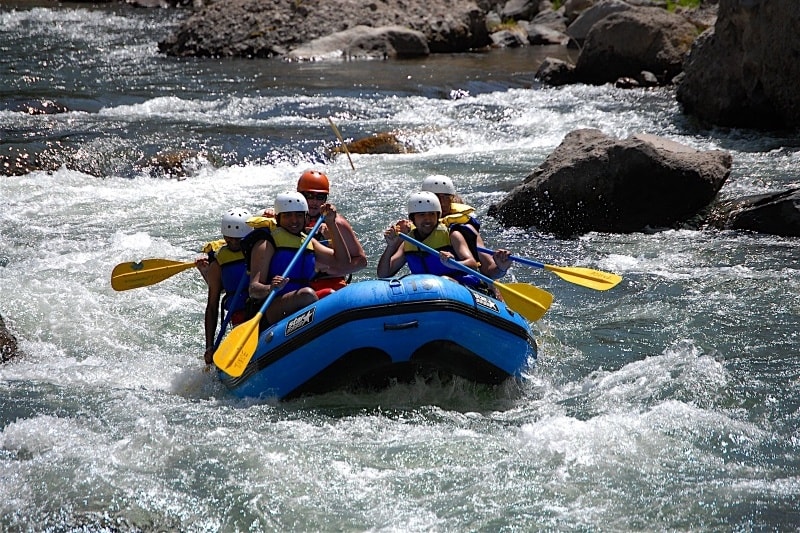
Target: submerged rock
380	143
36	107
176	164
773	213
8	343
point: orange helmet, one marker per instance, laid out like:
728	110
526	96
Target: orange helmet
313	181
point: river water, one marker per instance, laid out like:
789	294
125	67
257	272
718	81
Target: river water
670	403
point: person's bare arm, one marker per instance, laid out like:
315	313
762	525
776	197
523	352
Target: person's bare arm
335	258
461	250
213	277
358	259
259	270
393	257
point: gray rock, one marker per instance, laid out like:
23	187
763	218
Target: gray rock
744	70
365	42
628	42
510	38
774	213
555	72
541	34
592	182
253	28
574	8
554	20
520	9
580	26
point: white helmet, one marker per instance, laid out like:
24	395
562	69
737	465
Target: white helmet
423	202
439	184
288	202
234	223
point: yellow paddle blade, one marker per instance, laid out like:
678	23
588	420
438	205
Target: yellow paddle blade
133	275
236	350
586	277
527	300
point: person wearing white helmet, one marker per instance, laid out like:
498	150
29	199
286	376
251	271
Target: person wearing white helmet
424	211
269	252
224	269
459	217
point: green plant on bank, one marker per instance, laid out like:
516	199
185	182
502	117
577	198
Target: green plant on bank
673	4
509	25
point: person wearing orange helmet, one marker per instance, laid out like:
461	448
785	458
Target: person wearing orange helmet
315	187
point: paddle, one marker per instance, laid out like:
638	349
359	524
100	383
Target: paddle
339	136
585	277
529	301
134	275
231	306
235	352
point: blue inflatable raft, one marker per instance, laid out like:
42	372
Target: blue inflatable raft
376	332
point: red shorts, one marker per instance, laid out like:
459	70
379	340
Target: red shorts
237	317
328	283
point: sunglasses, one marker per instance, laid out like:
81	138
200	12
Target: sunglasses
321	196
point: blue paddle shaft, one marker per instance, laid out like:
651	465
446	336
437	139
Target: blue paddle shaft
522	260
297	255
450	261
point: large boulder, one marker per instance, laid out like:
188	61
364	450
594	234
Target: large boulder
574	8
254	28
772	213
625	43
580	26
744	70
592	182
520	9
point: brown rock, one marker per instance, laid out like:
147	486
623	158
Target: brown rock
380	143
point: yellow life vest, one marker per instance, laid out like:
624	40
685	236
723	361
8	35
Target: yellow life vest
459	214
283	239
213	246
225	255
438	239
262	222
